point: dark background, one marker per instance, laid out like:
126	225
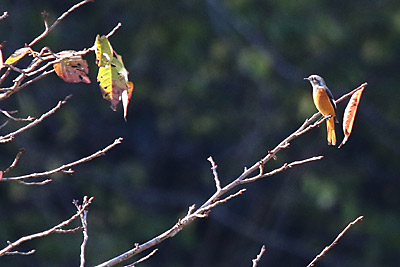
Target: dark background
219	78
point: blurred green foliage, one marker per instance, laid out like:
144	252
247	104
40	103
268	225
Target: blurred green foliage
221	78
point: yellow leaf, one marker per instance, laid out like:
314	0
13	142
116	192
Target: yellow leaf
104	51
113	80
18	54
350	115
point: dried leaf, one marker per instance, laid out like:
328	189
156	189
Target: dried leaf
72	69
350	114
18	54
104	51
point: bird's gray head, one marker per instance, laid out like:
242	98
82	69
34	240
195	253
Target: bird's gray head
316	80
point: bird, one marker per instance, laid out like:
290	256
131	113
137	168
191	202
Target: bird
325	103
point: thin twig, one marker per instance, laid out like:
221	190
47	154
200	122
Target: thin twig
66	166
58	20
143	259
215	173
30	252
114	30
5	15
284	167
258	258
15	161
8	115
350	93
326	249
10	136
35	183
85	230
12	245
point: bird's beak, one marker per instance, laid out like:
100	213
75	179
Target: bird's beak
306	79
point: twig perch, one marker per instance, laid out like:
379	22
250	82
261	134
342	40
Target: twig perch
214	200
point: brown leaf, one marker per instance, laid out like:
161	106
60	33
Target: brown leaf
73	69
350	115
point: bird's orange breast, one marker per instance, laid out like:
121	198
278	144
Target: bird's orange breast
323	103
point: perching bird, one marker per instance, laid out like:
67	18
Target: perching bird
323	100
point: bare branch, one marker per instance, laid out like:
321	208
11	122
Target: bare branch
258	258
12	245
5	15
326	249
15	161
58	20
215	173
114	30
35	183
8	115
351	93
281	169
214	200
85	230
66	166
30	252
10	136
143	259
203	212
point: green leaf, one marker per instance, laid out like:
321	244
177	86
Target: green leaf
104	51
113	80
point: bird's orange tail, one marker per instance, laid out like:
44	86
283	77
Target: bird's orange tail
330	127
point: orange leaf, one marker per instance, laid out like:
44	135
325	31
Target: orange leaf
73	69
18	54
350	115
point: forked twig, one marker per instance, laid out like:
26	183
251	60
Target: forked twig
55	229
58	20
10	136
65	167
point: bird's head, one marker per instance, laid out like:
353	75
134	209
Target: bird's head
316	80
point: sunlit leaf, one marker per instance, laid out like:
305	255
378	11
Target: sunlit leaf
104	51
113	79
72	69
18	54
350	115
